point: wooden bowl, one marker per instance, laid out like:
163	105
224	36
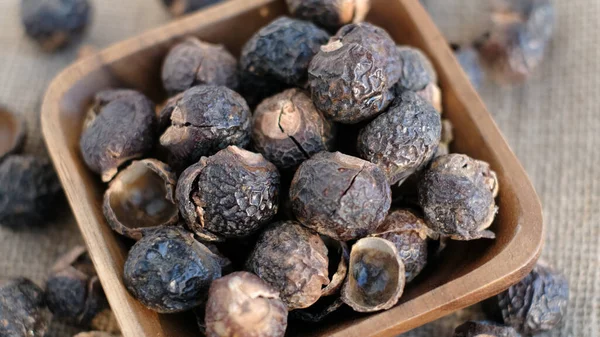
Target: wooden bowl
467	273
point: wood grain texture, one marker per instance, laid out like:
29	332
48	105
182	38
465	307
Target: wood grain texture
469	273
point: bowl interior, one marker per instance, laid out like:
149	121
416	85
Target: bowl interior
137	63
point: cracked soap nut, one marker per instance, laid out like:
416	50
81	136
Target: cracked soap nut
282	50
169	271
352	77
12	133
120	126
484	329
457	196
193	62
54	23
293	260
242	305
230	194
141	198
73	291
330	14
340	196
375	276
409	233
205	120
29	191
402	140
181	7
537	303
22	309
287	129
416	70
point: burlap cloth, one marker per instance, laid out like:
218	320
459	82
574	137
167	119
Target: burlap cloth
552	123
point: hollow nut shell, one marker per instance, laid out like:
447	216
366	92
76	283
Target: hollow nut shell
487	329
293	260
330	14
141	198
22	309
241	304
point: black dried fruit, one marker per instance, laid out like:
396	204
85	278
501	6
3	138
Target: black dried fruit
447	138
54	23
517	42
457	196
194	62
243	305
416	70
292	259
375	276
352	77
484	329
230	194
402	140
12	133
340	196
330	14
205	120
22	309
281	52
169	271
73	291
409	233
141	198
121	126
469	60
537	303
287	129
181	7
29	191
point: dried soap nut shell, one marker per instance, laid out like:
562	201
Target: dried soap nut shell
409	233
352	77
376	276
292	259
287	129
457	197
29	191
205	120
241	304
282	51
338	278
330	14
121	126
169	271
141	198
230	194
417	72
181	7
340	196
484	329
433	94
54	23
22	309
12	133
402	140
537	303
194	62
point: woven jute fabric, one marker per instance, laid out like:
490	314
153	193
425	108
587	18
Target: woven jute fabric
552	123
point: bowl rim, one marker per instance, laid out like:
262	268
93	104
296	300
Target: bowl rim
492	277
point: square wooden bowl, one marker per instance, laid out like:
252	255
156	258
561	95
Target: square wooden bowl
467	273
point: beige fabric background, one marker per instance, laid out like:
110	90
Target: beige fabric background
552	123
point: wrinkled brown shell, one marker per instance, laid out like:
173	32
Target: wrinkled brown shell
287	129
417	71
292	259
330	14
484	329
193	62
375	277
457	196
22	309
343	254
340	196
120	126
141	198
230	194
12	133
243	305
537	303
409	233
